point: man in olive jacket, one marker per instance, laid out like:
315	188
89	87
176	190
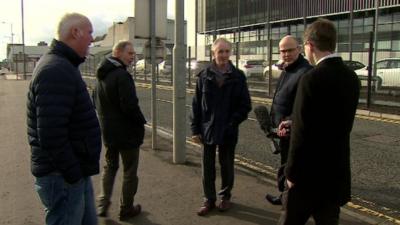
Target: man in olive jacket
122	124
318	166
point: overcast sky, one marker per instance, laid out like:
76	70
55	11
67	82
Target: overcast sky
41	17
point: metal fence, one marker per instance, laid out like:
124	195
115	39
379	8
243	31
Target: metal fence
364	38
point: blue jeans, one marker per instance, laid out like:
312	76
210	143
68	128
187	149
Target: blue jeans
67	204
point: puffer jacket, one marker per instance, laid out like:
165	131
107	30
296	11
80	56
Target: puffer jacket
218	111
63	129
122	121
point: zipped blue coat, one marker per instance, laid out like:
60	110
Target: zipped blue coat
218	111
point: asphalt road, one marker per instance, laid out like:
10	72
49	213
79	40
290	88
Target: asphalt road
375	152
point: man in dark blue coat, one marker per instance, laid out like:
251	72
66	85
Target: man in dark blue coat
63	130
220	103
318	166
122	124
294	66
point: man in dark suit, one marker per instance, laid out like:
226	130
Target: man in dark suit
318	166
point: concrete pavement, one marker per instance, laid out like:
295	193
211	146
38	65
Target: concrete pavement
169	194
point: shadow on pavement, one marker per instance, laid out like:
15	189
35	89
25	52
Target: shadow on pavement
140	219
251	214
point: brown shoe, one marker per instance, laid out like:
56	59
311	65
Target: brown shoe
206	208
132	212
224	205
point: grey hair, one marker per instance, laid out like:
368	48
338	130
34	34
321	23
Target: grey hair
68	21
120	46
218	40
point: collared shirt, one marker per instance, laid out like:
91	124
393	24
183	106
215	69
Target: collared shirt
333	55
220	76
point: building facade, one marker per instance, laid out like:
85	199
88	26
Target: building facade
252	23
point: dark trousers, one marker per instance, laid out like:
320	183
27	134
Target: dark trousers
130	161
226	156
284	146
299	206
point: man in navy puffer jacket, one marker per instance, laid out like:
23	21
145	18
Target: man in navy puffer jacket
63	129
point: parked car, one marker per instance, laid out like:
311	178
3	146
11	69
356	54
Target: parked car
3	71
387	73
252	68
276	70
197	66
354	65
141	67
165	67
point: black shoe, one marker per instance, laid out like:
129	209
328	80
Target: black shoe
130	213
274	200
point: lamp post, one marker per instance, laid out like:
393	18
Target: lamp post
12	44
23	38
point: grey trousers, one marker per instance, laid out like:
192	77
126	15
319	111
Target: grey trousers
226	156
130	162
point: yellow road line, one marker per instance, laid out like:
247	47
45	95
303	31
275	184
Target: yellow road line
373	213
374	118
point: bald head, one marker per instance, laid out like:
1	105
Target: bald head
68	22
289	49
75	30
289	39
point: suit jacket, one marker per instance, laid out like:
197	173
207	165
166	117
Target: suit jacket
323	115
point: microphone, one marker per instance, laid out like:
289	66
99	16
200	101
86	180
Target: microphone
264	120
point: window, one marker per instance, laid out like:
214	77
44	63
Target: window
369	21
358	30
386	27
343	23
384	45
396	17
394	64
382	65
385	19
396	45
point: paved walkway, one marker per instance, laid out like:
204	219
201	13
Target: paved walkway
169	194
